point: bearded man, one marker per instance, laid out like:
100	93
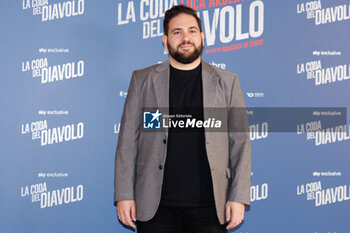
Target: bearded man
182	180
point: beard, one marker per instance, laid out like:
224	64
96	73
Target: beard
182	58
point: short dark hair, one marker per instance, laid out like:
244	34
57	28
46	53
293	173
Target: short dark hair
175	11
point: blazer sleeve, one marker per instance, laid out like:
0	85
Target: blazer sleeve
239	147
126	152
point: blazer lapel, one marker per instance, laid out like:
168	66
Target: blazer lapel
209	97
209	86
161	88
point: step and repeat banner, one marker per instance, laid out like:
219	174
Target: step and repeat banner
65	72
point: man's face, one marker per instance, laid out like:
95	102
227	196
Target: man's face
184	41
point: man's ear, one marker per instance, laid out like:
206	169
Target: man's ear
165	44
202	36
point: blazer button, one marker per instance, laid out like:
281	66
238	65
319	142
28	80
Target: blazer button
164	141
160	167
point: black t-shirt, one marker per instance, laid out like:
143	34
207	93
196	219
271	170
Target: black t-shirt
187	178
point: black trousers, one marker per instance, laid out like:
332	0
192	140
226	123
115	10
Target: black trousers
182	219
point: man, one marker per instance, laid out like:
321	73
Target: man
182	181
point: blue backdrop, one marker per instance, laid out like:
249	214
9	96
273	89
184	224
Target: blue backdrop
65	70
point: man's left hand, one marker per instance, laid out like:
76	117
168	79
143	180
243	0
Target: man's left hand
234	213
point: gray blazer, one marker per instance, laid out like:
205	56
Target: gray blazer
140	156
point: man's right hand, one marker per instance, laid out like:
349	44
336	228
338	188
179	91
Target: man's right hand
126	211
